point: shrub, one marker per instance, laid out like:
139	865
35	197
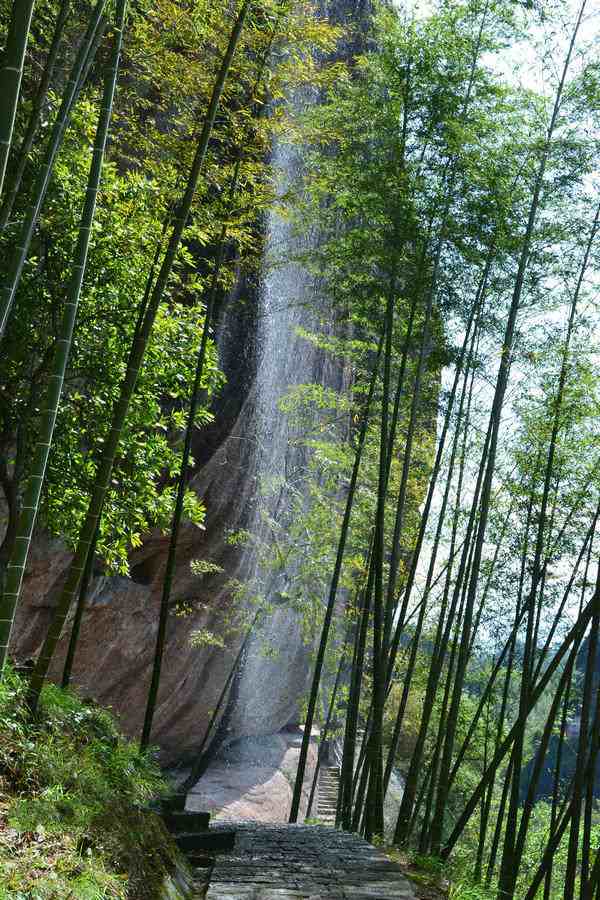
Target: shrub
72	791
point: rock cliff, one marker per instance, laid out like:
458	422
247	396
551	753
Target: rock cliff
262	356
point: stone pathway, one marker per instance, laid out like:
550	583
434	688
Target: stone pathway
303	862
329	786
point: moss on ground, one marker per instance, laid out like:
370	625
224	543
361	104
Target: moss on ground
425	873
437	879
72	793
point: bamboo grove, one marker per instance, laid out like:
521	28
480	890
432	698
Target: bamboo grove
468	645
444	544
177	168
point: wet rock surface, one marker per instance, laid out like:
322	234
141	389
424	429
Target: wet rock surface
253	779
302	862
247	448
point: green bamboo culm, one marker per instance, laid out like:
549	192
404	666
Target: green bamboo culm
575	635
335	579
11	74
178	511
190	425
18	561
20	157
324	735
134	362
89	563
79	610
9	289
200	764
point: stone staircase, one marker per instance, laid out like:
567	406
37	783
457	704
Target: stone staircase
196	840
273	861
329	785
191	830
268	861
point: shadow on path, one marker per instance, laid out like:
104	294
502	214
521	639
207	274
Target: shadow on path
303	862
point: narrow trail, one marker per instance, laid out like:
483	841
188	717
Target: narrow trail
272	861
303	862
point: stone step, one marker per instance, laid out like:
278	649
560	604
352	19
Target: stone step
205	840
186	820
176	802
199	860
329	788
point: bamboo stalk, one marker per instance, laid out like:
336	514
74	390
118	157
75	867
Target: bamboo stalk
189	432
134	362
337	571
16	171
11	74
27	518
21	250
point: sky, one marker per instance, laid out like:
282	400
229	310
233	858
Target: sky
535	63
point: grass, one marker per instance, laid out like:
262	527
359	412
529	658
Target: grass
437	879
72	793
427	873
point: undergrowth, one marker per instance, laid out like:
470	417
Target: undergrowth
72	826
437	879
